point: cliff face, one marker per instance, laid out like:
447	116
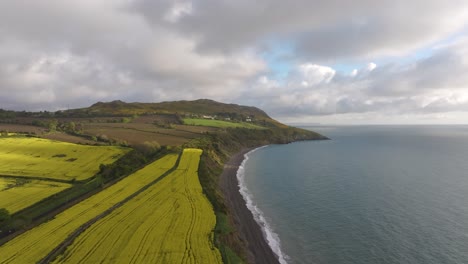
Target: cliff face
218	149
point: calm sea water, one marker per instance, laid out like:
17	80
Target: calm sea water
377	194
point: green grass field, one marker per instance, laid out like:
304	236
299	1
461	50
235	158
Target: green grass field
43	158
171	222
33	245
17	194
218	123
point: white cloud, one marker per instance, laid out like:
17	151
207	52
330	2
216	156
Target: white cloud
264	86
313	74
429	87
371	66
178	10
53	48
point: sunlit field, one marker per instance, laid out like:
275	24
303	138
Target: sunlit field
17	194
43	158
35	244
218	123
171	222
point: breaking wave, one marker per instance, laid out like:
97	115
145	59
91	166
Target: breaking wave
270	236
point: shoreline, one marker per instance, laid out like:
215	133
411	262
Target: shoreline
258	249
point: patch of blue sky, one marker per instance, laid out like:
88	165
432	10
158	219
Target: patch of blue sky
425	51
279	57
452	38
419	54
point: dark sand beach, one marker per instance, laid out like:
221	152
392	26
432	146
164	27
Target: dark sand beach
258	249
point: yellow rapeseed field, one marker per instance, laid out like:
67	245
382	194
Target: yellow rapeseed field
171	222
14	196
37	157
36	243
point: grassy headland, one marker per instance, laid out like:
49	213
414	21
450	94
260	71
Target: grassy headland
152	130
218	148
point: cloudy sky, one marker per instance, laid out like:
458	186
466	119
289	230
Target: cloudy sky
303	61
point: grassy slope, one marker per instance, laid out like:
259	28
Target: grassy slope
202	106
218	123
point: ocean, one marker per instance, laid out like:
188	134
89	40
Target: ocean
372	194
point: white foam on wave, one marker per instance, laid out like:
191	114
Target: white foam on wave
271	237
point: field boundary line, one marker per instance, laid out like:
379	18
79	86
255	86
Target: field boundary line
38	178
151	132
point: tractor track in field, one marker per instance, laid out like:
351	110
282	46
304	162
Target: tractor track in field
59	249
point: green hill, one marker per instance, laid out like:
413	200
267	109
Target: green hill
201	106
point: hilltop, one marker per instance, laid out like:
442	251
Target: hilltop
169	123
200	106
197	108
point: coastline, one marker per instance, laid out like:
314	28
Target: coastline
250	232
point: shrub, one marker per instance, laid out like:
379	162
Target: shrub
148	147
